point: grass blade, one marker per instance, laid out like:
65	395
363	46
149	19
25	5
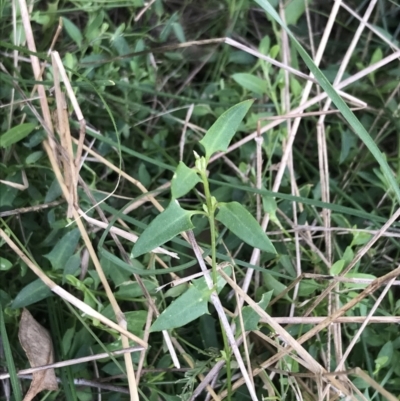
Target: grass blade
9	359
338	101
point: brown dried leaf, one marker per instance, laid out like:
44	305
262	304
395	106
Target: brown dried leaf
36	342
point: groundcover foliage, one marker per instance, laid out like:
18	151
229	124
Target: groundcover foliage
213	183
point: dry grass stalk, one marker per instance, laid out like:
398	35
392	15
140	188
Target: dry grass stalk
64	294
357	257
69	181
30	209
74	361
304	357
64	133
341	319
222	316
51	150
311	102
369	290
124	234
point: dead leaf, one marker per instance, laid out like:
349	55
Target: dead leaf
36	342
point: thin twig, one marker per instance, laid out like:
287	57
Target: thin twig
75	361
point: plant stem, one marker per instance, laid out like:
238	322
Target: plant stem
211	220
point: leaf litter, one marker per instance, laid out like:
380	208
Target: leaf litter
37	344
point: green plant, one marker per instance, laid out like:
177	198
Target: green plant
325	178
175	220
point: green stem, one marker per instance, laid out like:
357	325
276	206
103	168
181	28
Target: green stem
211	220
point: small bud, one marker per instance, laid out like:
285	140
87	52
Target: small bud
200	164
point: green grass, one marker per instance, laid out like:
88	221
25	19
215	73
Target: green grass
148	92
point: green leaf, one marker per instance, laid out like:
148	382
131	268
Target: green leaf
92	29
73	31
54	191
183	180
144	176
188	307
179	32
270	206
201	110
385	355
172	221
72	265
202	286
5	299
272	284
16	134
348	255
294	10
30	294
376	56
357	275
9	359
67	340
337	267
349	142
308	288
338	101
5	264
251	83
141	271
136	321
133	289
176	291
360	238
238	220
250	317
64	249
34	157
168	27
220	134
208	332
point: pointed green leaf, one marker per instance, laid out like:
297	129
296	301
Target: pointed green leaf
168	224
202	286
251	82
238	220
360	276
250	317
337	267
132	289
219	136
30	294
272	284
183	180
64	249
73	31
385	355
16	134
136	321
176	291
188	307
293	11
